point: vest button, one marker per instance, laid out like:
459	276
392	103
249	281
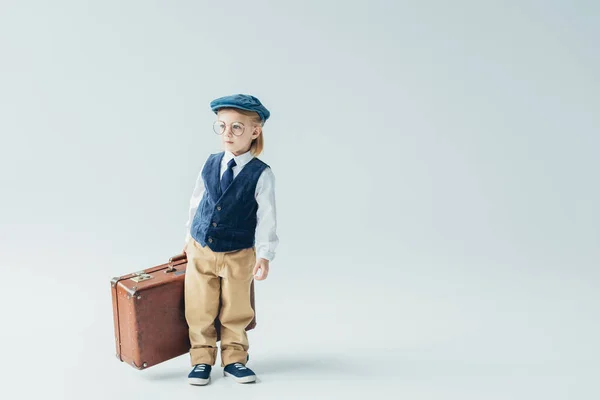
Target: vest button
218	208
210	240
214	224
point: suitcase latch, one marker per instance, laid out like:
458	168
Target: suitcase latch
141	276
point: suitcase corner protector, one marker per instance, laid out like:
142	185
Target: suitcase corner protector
139	367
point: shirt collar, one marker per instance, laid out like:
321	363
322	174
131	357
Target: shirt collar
240	160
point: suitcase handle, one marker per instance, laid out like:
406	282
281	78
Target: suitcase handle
175	258
178	257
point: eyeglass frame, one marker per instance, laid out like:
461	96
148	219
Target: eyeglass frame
234	122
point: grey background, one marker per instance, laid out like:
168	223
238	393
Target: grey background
437	188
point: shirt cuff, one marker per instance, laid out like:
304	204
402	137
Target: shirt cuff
267	255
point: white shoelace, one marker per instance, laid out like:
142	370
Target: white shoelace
200	368
239	366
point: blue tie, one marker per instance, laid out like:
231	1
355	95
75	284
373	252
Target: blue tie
227	175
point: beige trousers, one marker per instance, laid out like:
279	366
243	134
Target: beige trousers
211	276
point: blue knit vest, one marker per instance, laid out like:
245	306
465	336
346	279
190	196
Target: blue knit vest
227	221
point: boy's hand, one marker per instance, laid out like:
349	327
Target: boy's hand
262	265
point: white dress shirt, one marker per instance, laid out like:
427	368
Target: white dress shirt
266	227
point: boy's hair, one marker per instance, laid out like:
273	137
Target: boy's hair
257	144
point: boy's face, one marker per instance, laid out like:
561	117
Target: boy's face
234	123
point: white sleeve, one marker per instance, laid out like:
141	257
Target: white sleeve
194	202
266	226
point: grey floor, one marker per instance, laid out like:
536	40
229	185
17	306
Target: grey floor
433	332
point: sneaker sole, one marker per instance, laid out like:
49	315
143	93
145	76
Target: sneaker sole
246	379
198	381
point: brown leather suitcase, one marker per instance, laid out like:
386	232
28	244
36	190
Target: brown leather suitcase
149	314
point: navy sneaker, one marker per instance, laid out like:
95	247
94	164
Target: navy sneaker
200	375
239	372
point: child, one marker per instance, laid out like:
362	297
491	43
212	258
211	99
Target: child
232	208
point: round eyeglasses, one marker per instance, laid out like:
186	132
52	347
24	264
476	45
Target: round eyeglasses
237	128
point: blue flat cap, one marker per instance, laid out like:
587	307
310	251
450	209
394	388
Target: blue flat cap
241	101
